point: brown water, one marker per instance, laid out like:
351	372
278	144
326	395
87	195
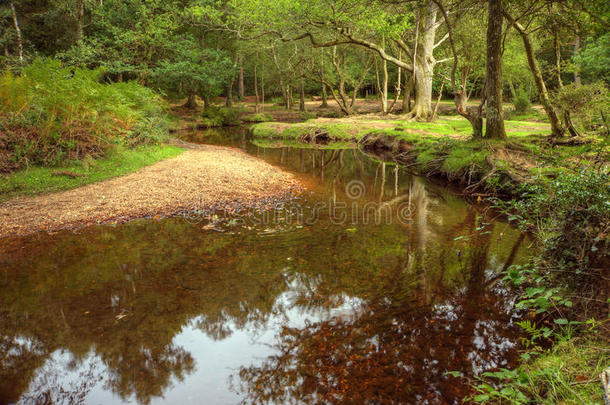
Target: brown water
368	288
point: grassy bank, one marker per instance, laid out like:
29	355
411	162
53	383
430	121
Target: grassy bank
444	148
37	180
559	193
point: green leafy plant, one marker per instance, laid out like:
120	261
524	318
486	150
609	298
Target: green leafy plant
51	113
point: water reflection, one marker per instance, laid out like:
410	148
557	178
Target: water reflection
166	311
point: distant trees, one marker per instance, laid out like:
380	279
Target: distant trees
339	49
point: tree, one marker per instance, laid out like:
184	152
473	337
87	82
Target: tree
557	129
493	78
192	71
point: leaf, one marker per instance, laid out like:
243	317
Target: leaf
561	321
455	374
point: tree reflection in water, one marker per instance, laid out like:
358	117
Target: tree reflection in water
395	348
384	309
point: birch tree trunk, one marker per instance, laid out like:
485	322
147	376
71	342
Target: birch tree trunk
80	20
18	29
384	83
577	80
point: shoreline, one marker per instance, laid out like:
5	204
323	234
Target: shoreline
204	177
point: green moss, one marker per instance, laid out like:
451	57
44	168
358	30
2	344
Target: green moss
569	372
462	157
37	180
259	117
265	130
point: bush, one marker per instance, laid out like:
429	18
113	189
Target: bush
584	103
522	102
259	117
571	215
50	114
214	116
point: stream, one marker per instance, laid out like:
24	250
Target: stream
368	288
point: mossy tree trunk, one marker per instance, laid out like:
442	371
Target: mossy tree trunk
495	119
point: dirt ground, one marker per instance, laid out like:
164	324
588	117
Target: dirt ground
207	178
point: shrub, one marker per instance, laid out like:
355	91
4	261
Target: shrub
50	114
584	103
259	117
522	102
571	215
214	116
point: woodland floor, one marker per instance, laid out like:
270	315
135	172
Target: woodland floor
204	178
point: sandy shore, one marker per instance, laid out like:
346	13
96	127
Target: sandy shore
202	178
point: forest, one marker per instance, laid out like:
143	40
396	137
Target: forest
172	175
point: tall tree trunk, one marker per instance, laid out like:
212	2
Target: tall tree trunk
302	96
240	81
229	99
557	46
288	97
80	20
256	107
324	91
191	102
384	83
324	96
495	120
438	99
18	29
460	95
398	87
262	91
424	62
543	94
577	80
406	100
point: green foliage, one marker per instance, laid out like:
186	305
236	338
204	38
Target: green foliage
51	114
259	117
522	101
214	116
570	216
567	373
584	102
193	71
593	61
121	161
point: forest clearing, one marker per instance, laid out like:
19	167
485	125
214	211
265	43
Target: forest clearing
270	201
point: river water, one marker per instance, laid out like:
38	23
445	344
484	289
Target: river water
367	288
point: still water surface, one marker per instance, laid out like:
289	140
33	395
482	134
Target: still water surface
320	302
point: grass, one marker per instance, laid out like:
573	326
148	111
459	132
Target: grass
569	372
38	180
258	117
445	145
455	127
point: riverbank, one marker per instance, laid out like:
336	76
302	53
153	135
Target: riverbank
444	148
558	192
203	178
38	180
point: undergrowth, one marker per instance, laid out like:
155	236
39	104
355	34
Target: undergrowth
51	114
